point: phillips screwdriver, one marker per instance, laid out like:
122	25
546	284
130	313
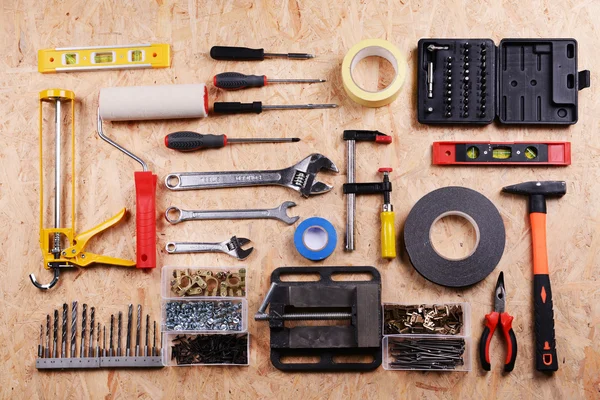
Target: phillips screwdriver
257	107
190	141
234	53
388	229
236	80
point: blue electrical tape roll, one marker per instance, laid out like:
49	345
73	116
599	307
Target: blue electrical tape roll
315	238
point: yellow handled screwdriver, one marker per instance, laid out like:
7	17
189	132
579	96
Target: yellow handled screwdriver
388	228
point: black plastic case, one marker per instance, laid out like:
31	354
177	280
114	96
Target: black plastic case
522	81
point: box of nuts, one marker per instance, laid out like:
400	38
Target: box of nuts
204	316
427	336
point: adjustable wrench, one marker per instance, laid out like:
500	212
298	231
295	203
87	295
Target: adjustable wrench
299	177
176	215
233	247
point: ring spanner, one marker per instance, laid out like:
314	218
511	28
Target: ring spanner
175	215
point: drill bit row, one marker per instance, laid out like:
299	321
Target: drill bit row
51	349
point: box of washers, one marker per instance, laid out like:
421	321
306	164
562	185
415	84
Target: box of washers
204	316
521	81
427	337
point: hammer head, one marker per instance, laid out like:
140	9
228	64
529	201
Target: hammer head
544	188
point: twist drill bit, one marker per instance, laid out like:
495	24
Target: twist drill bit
112	322
83	329
92	323
73	329
138	330
147	330
128	339
119	334
55	333
41	344
98	341
104	342
154	341
47	352
63	349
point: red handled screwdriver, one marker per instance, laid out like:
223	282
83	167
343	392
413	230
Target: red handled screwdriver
236	80
190	141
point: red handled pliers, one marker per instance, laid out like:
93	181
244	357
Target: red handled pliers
491	322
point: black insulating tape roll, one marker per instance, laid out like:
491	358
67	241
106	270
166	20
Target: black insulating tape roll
454	200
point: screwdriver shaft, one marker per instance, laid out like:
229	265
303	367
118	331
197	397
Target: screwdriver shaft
262	140
299	106
296	80
296	56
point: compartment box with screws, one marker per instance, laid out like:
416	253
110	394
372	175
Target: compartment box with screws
427	353
204	315
221	349
192	282
425	337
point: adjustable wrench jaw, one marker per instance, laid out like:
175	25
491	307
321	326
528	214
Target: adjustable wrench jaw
301	176
233	247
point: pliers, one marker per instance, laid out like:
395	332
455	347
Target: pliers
491	322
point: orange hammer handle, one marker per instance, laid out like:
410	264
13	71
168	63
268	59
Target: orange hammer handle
538	237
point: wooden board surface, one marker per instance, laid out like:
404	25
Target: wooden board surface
105	184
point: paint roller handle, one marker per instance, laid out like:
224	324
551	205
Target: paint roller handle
232	53
145	192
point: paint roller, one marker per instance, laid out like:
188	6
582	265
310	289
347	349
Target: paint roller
135	103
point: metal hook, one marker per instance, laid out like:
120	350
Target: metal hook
46	286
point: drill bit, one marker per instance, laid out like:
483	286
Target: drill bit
92	323
63	349
104	342
154	341
98	341
138	330
128	339
74	329
47	352
55	333
83	329
119	334
147	330
112	321
41	344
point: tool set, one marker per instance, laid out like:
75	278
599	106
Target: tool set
338	320
93	355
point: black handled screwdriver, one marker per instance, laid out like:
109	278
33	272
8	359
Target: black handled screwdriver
236	80
190	141
234	53
257	107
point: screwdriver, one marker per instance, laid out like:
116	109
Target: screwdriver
190	141
236	80
257	107
233	53
388	229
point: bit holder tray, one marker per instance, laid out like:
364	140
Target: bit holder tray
520	81
99	362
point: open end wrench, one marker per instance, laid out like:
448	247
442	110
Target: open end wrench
175	215
233	247
299	177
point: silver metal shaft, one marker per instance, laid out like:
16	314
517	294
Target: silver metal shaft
83	330
118	146
138	334
104	341
299	106
297	56
41	344
73	330
92	325
306	316
430	79
57	178
47	352
296	80
262	140
55	336
128	338
119	327
154	341
63	349
147	335
98	341
351	197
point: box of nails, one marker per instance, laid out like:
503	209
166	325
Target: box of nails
426	337
204	316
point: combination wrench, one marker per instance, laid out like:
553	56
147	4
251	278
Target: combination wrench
175	215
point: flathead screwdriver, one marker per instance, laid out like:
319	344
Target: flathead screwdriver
257	107
234	53
235	81
190	141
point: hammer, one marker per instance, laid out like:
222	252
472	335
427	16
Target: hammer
545	358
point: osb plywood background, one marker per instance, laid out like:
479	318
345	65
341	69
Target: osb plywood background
328	29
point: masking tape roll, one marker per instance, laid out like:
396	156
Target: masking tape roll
368	48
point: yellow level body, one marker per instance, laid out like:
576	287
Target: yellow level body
71	59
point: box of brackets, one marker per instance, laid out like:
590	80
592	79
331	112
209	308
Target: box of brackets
427	337
204	316
521	81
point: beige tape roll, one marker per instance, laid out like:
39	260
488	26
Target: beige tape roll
368	48
136	103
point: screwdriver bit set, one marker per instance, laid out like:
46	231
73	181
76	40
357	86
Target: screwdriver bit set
520	81
94	352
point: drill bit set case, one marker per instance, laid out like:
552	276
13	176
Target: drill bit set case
204	316
520	81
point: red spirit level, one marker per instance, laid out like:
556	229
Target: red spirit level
503	153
